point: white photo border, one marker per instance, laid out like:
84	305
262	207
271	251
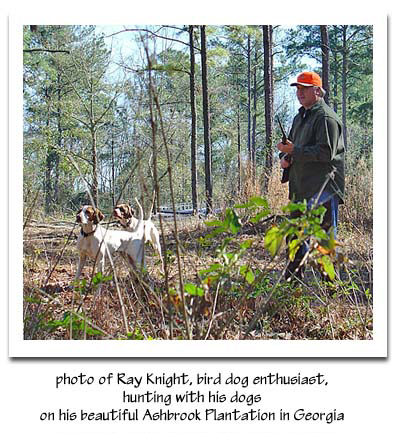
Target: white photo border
18	347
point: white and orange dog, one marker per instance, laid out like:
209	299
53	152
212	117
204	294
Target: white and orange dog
97	242
145	228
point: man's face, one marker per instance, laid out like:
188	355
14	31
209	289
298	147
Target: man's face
307	95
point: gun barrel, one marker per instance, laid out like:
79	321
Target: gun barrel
287	157
282	130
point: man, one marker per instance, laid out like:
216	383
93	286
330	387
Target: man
316	164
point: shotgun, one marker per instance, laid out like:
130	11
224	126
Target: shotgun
287	157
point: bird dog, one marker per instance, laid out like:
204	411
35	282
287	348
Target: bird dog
124	213
96	242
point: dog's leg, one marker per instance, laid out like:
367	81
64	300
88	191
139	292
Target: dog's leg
159	250
100	260
155	240
137	253
81	264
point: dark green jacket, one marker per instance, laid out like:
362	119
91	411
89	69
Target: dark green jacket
318	148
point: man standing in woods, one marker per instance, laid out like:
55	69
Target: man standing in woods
316	163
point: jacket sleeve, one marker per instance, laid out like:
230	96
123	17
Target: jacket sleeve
323	147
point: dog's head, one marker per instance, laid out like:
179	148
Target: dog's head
89	214
123	211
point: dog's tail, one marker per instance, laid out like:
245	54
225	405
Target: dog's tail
152	205
154	190
140	219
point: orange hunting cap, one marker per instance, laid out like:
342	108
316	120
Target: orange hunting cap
308	79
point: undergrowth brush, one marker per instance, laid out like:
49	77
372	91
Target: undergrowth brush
232	271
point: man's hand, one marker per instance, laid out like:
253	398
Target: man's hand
288	147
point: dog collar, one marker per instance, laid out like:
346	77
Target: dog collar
128	224
85	235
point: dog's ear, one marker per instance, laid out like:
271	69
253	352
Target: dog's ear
128	210
98	216
78	215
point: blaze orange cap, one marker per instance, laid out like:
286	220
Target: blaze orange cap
308	79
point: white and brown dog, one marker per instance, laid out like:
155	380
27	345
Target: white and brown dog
96	242
124	213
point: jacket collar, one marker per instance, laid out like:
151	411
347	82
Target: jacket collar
305	112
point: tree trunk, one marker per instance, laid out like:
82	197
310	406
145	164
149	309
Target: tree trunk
113	170
344	83
194	176
268	88
324	32
59	140
48	181
335	72
206	124
49	164
248	56
255	99
94	188
239	149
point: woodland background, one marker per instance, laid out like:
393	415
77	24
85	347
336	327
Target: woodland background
189	112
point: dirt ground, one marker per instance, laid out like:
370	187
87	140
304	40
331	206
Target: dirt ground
137	306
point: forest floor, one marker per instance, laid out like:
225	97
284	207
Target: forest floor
223	306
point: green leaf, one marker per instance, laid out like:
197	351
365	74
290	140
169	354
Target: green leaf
215	232
320	211
136	335
246	244
215	267
259	201
232	221
214	223
273	240
243	206
90	331
332	240
292	207
253	202
293	247
227	257
250	277
100	278
80	286
319	233
193	289
260	215
327	266
247	274
32	300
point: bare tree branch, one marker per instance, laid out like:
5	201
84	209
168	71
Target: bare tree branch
47	50
155	35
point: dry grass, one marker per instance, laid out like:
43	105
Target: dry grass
309	310
278	192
